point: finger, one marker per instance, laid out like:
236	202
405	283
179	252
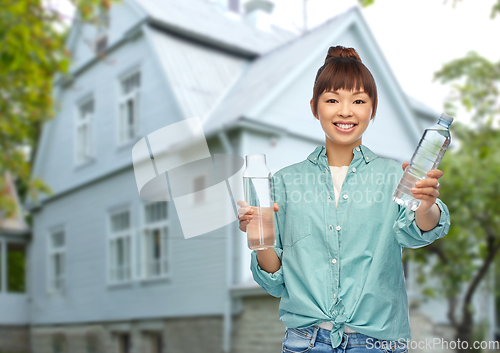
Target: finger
427	182
245	217
276	207
245	209
425	191
423	197
242	203
405	164
435	173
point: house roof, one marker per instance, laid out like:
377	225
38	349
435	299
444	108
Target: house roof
202	20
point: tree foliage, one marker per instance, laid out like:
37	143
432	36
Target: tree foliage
32	53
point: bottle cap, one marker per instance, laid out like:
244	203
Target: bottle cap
446	118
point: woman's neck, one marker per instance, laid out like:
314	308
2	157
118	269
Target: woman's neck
340	155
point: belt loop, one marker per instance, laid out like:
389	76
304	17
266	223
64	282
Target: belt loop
346	338
313	339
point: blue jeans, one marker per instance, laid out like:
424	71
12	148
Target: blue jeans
317	340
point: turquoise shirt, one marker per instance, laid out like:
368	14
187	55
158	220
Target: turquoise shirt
343	264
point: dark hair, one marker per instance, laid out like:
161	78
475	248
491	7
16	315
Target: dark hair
343	69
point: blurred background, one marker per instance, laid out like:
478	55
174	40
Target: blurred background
86	265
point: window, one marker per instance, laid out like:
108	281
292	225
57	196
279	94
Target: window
84	151
129	107
153	342
120	247
123	340
57	261
101	42
92	343
59	344
155	240
16	268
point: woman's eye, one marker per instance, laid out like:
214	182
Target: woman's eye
359	101
331	100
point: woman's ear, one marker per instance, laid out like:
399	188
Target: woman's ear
312	110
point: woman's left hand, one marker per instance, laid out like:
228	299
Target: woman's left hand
426	189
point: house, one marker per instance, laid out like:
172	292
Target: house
110	272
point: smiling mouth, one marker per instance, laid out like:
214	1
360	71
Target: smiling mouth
345	126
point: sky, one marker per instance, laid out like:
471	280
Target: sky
416	36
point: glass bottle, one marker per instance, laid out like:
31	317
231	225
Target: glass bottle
261	231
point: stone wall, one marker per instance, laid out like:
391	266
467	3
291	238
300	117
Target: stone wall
258	327
189	335
14	339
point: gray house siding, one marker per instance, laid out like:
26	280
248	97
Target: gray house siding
197	282
102	82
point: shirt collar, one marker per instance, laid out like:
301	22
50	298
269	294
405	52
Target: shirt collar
360	152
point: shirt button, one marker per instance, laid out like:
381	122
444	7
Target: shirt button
334	295
314	158
338	227
354	169
329	198
331	227
345	197
367	158
334	261
325	169
357	149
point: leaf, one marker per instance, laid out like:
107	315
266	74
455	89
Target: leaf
366	3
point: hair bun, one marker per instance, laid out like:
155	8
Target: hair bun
342	52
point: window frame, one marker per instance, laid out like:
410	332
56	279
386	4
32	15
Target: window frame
51	289
102	31
113	236
89	154
149	336
165	247
122	98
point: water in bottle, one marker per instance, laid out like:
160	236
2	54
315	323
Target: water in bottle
427	156
261	230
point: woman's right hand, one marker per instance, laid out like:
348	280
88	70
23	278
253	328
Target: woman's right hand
245	213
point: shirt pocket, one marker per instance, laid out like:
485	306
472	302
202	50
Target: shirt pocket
297	228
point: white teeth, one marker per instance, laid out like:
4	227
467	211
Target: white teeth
345	126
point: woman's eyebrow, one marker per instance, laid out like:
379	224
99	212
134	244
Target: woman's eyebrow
354	93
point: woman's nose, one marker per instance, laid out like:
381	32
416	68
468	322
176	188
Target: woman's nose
345	110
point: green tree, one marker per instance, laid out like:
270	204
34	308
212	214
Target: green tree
32	54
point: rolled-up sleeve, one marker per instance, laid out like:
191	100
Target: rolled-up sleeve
273	283
409	235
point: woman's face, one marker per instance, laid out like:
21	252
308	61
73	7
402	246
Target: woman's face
344	115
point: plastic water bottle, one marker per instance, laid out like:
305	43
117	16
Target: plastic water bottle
427	156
